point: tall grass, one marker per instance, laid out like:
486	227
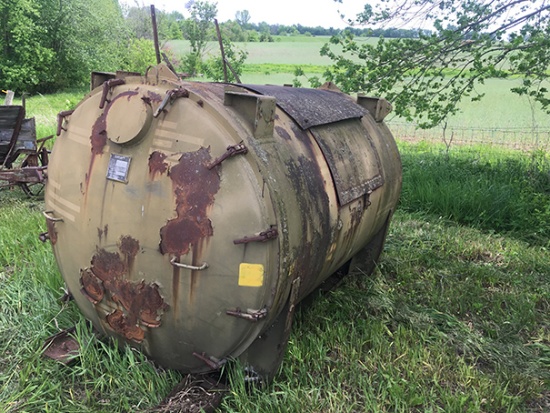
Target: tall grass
490	188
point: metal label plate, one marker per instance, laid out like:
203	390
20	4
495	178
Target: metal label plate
119	165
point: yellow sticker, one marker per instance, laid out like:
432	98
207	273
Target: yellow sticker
251	275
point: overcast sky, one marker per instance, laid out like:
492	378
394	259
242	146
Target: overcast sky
305	12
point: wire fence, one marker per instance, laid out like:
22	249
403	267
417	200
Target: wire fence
514	138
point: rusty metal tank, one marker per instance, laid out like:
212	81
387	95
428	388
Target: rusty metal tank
188	219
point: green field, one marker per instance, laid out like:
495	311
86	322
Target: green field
274	63
455	318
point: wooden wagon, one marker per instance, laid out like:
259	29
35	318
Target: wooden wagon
23	158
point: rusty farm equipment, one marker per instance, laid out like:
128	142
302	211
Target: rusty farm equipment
23	158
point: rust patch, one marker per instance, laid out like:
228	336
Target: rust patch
129	247
52	233
175	289
62	346
157	164
98	138
194	188
139	303
119	322
92	287
108	265
155	97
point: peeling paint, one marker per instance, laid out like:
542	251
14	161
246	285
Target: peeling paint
92	287
52	233
129	247
157	164
98	137
139	304
194	188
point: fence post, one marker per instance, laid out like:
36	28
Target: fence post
9	98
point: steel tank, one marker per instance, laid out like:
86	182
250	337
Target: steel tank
188	219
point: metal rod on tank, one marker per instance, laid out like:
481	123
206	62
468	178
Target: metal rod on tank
225	62
155	32
225	78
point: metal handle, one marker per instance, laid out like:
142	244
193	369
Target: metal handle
50	218
189	267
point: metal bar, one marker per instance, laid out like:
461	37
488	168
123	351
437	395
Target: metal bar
60	118
249	315
107	85
155	32
214	365
171	95
225	78
264	236
238	149
235	75
169	63
23	175
187	266
50	218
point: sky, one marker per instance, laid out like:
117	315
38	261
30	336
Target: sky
309	13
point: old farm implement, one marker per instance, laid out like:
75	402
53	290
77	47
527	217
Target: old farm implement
23	158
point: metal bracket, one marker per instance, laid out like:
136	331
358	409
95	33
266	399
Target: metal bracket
212	362
231	151
107	86
50	218
175	263
249	314
257	110
171	95
378	107
264	236
61	118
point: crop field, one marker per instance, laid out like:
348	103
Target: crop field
455	318
501	117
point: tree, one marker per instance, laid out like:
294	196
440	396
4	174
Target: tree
21	44
51	44
214	67
198	29
467	43
233	31
242	17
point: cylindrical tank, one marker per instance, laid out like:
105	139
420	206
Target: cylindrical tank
188	219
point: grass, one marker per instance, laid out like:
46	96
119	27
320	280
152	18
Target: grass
454	319
495	189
